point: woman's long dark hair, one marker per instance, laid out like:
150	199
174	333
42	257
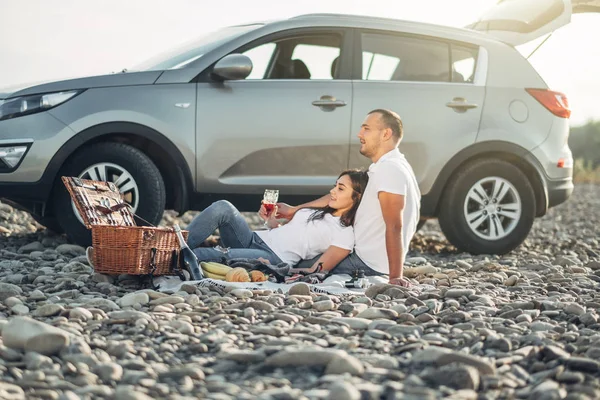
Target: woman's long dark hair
359	179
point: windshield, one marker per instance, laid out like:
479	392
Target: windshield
184	55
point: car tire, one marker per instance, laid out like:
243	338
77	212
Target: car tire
146	177
487	208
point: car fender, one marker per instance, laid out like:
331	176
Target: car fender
105	130
431	201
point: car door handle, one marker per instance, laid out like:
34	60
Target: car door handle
328	103
459	104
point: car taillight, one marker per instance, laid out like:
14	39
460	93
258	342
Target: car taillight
555	102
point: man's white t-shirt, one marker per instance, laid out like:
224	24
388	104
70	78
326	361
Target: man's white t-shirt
302	240
392	174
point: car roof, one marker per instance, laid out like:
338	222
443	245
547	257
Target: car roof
371	22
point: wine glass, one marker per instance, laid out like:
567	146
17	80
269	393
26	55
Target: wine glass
270	200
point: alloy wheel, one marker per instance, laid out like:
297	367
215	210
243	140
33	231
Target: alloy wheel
492	208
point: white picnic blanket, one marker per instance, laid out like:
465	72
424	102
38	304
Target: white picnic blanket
332	285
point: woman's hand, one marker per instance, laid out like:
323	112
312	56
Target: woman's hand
270	219
285	211
400	282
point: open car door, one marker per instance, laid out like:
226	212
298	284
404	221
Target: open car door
516	22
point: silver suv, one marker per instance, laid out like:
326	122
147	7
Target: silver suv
278	105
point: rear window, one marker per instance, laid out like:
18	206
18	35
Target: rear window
393	57
464	60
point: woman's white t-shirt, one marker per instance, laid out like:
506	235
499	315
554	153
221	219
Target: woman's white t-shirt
302	240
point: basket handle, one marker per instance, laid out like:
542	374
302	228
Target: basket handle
119	206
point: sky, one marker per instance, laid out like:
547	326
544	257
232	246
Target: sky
43	40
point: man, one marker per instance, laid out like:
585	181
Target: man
387	217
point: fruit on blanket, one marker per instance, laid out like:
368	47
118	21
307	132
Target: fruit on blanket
237	275
257	276
215	268
214	276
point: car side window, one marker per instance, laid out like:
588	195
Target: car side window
463	63
312	56
391	57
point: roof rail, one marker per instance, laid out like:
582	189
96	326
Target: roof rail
347	16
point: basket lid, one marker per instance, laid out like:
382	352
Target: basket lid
98	202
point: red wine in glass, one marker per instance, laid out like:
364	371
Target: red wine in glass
270	200
269	207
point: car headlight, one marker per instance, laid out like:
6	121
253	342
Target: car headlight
24	105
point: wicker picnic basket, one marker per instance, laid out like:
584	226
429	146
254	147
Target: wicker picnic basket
119	245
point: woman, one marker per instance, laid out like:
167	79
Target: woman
310	232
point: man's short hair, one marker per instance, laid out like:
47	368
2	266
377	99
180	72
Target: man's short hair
391	120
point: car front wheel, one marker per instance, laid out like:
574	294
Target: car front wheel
136	176
488	208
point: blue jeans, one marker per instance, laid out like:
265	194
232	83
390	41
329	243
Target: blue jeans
235	233
348	265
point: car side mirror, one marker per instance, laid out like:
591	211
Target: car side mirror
232	67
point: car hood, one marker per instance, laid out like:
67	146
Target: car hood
117	79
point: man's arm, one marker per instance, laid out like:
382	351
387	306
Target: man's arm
286	211
392	206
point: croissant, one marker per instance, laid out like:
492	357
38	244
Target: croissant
257	276
237	275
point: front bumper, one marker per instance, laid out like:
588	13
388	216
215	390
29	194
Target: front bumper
559	190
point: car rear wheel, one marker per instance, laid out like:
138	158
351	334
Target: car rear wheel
136	176
488	208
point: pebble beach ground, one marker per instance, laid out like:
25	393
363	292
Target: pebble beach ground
524	325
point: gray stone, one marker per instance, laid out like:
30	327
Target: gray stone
109	372
132	299
324	305
81	313
547	390
9	391
24	333
130	393
297	357
37	295
420	270
260	305
48	310
70	250
9	354
29	247
430	355
180	372
167	300
9	290
241	293
484	367
299	288
376	313
103	304
245	356
341	390
354	323
574	308
583	364
456	293
129	314
456	376
344	363
20	309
